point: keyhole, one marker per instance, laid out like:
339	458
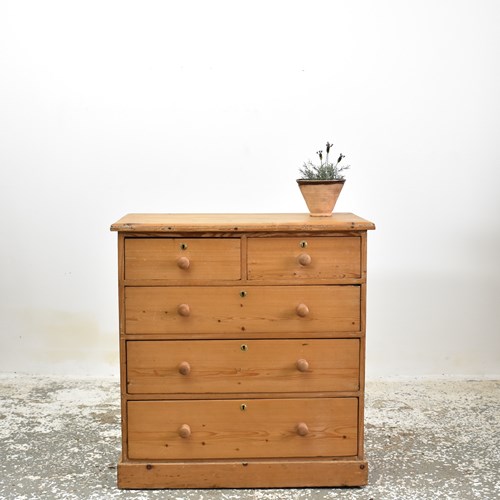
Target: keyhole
243	407
183	246
303	244
244	347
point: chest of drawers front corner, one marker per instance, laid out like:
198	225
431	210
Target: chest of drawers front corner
242	350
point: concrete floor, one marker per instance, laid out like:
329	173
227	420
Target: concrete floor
59	438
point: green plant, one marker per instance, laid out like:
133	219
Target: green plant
325	170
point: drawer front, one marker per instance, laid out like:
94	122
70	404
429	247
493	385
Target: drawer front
182	259
231	366
209	310
306	258
251	428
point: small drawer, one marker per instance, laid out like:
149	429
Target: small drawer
235	366
253	309
253	428
182	258
304	258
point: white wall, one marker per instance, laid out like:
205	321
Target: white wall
110	107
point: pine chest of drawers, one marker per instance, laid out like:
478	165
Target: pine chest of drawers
242	347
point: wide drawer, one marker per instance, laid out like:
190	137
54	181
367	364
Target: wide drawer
234	366
306	258
254	428
182	258
208	310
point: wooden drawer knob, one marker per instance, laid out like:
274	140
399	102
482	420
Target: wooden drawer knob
184	310
184	368
304	259
302	310
183	263
185	431
302	429
302	365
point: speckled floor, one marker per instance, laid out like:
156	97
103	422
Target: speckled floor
59	438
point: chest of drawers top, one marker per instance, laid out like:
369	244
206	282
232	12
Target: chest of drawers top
238	223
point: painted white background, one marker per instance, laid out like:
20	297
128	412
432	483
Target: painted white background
110	107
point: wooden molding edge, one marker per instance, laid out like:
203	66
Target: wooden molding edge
239	474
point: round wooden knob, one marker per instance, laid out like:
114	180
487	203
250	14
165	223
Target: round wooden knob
184	368
302	365
302	429
185	431
302	310
183	263
184	309
304	259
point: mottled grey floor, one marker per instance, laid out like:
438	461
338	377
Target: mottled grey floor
59	438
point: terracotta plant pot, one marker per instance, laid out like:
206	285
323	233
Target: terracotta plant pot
320	196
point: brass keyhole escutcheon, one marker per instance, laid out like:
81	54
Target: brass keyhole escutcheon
303	244
183	246
243	293
243	407
244	347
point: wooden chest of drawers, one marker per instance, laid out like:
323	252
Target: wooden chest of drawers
242	346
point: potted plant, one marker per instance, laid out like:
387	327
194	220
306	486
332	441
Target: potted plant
321	184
